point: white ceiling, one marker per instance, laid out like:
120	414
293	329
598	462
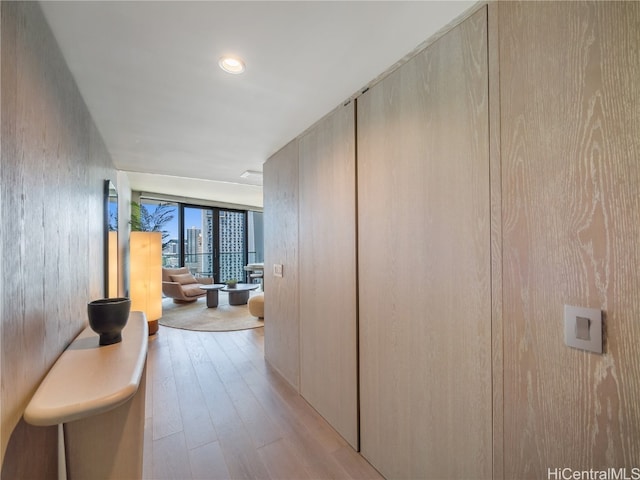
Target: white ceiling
149	75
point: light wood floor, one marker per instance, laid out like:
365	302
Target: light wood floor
216	410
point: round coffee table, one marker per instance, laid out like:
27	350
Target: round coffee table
212	294
239	295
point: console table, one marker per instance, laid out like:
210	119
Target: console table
97	394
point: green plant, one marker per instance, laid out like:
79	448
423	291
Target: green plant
143	220
231	282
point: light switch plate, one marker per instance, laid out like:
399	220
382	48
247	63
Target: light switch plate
583	328
277	270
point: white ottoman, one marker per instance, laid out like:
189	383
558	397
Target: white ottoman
256	305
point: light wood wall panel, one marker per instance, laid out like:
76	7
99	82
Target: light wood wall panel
54	164
570	100
424	263
496	240
328	330
282	323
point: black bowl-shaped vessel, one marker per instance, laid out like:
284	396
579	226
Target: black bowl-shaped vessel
107	317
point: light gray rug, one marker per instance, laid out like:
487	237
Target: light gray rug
196	316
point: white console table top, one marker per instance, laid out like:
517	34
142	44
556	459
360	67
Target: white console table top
89	379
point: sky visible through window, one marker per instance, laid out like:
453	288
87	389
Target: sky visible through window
192	218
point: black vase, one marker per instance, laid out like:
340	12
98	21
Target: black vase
107	317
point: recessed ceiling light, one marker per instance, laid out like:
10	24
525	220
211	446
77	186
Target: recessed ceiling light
231	65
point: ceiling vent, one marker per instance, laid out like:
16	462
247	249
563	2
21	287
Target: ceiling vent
253	176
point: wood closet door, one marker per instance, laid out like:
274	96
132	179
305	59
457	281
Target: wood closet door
281	310
328	338
424	263
570	102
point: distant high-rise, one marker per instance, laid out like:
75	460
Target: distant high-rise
232	237
171	248
207	242
170	254
193	249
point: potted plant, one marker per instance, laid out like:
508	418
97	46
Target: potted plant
231	283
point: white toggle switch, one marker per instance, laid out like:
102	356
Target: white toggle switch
583	328
277	270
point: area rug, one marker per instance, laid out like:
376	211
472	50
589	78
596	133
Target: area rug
196	316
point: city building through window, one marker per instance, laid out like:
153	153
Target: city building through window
210	241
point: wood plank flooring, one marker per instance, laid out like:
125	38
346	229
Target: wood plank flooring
216	410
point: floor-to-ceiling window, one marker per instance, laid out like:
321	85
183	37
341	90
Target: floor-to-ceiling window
255	237
215	242
210	241
199	240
